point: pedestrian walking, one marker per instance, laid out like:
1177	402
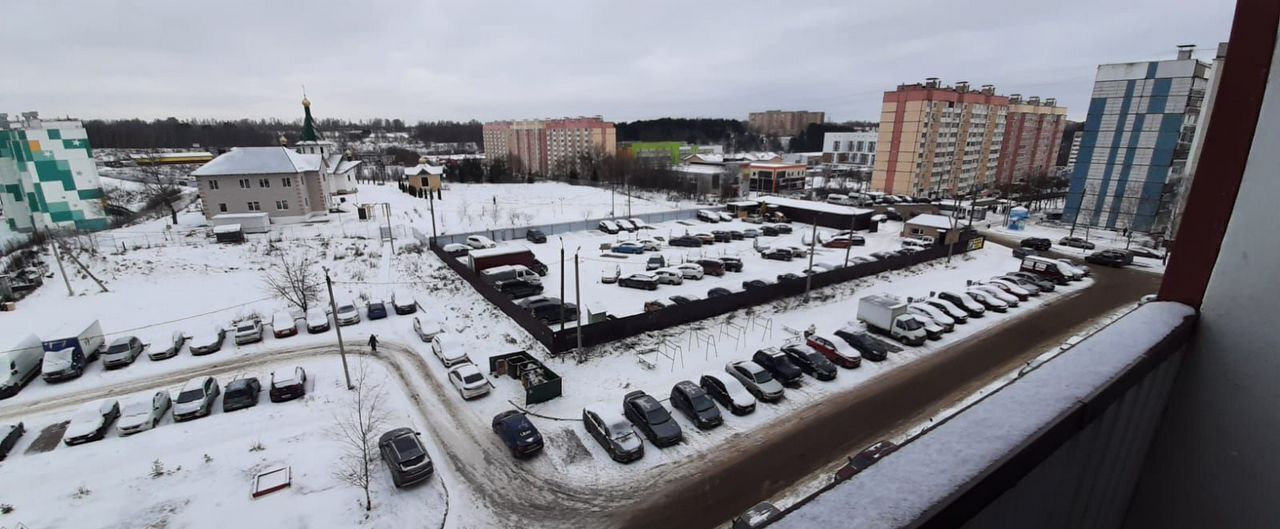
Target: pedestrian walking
373	342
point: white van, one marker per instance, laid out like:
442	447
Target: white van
835	198
499	274
20	365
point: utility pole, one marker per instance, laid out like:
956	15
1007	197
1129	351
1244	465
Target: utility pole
577	294
849	248
627	190
808	274
561	282
342	350
431	198
58	257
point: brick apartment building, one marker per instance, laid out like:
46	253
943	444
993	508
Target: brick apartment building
1032	137
783	122
549	146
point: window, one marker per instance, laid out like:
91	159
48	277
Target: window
244	183
264	182
213	184
286	182
222	207
282	205
255	206
835	146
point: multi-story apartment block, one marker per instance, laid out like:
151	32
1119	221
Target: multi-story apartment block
783	122
48	179
939	140
1032	137
850	148
1074	153
549	146
1142	118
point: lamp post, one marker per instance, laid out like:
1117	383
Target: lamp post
337	327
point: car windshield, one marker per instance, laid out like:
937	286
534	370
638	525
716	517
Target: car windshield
702	403
656	415
248	327
910	324
118	348
408	448
472	378
762	377
190	395
236	392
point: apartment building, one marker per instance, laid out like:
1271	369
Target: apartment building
1032	137
850	148
783	122
48	178
548	147
937	140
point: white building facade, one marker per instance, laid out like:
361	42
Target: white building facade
850	148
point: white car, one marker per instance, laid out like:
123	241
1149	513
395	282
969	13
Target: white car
640	224
650	245
283	324
162	347
143	412
1078	271
480	242
609	227
347	314
426	330
707	215
448	350
691	270
248	331
91	421
725	216
210	342
403	302
317	320
669	276
1009	299
983	297
456	249
1014	288
469	381
933	313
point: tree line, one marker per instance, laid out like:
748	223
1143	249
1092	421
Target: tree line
172	133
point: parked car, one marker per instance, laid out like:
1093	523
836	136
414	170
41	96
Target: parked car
956	313
708	216
9	435
751	284
195	399
932	314
728	393
758	381
241	393
650	245
717	292
1144	251
1077	270
655	262
759	515
121	352
777	254
208	343
640	224
404	302
448	349
469	381
789	277
965	302
1036	243
782	228
987	300
750	233
706	239
769	231
1013	289
608	226
480	242
640	281
427	329
680	300
1041	283
626	224
283	324
731	264
317	321
535	236
456	249
810	362
288	385
347	314
778	365
519	288
843	242
162	349
713	267
691	270
736	235
725	216
868	346
652	419
376	310
405	457
721	236
687	241
613	432
691	400
864	459
91	421
669	276
248	331
143	412
1114	258
549	310
521	436
1008	298
628	247
1076	242
883	255
847	357
1019	253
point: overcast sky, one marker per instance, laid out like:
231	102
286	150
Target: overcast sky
520	59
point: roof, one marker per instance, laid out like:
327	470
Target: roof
259	160
932	221
226	228
775	165
424	168
811	205
699	169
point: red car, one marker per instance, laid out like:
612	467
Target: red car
847	359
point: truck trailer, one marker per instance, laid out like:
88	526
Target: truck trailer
487	258
67	356
888	314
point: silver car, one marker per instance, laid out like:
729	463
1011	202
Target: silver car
143	413
756	379
347	315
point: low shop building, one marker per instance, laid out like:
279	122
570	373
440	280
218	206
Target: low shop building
933	226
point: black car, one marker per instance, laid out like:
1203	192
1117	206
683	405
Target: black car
519	288
9	435
520	436
613	432
754	284
883	255
782	228
777	254
535	236
685	241
548	310
376	310
736	235
892	215
405	457
777	364
680	300
956	300
1036	243
696	405
1019	253
241	393
715	388
864	344
731	264
810	362
640	281
769	231
1109	258
655	262
721	236
288	385
717	292
1039	282
652	419
1076	242
788	277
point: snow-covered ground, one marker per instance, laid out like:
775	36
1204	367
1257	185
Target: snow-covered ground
1102	239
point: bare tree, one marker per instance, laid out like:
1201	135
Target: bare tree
158	188
295	280
355	427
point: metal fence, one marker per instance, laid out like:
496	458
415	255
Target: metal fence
507	234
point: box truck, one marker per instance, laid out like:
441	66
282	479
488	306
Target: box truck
888	315
67	356
19	365
487	258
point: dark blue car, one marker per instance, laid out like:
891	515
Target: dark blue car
377	310
520	436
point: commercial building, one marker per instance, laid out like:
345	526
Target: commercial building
548	147
937	227
668	152
48	179
1141	121
783	122
939	140
850	148
1032	137
773	177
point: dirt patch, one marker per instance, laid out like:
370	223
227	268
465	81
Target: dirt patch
48	439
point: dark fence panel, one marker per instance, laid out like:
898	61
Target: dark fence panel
540	332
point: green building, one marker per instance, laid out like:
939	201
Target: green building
666	151
48	178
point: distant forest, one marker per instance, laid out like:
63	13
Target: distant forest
215	134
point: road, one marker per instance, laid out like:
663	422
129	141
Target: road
822	435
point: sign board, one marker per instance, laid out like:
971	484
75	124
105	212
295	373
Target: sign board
976	243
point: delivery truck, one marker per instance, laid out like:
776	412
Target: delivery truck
888	315
19	365
487	258
66	357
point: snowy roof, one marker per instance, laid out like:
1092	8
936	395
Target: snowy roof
775	165
226	228
424	168
259	160
744	203
346	166
699	169
932	221
811	205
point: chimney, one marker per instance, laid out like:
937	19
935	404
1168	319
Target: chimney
962	86
1015	98
988	89
1185	51
1051	101
931	82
